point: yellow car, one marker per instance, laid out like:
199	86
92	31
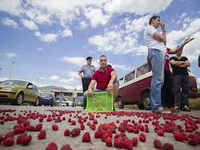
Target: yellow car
17	91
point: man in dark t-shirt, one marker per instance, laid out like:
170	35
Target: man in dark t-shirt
180	81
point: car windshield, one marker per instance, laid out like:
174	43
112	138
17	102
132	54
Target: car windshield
13	82
47	95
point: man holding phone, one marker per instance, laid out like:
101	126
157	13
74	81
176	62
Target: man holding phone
156	42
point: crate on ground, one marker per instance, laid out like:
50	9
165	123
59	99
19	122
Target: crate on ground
100	102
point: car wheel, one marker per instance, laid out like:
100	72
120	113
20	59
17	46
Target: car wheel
19	99
146	101
37	102
120	103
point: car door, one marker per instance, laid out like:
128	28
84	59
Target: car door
29	92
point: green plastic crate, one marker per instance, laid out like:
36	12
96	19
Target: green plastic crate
100	102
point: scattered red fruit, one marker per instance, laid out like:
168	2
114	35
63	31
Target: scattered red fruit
108	141
67	132
75	132
42	134
66	147
157	144
38	127
128	144
142	137
10	134
160	132
52	146
168	146
135	141
194	141
118	143
55	127
86	137
26	140
9	141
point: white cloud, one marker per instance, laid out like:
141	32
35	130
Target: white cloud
73	74
83	25
10	55
176	37
136	6
66	33
13	8
122	38
54	77
78	61
96	17
47	37
29	24
9	22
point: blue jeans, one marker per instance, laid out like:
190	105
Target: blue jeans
85	96
157	60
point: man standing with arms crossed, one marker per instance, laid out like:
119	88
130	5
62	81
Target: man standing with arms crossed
156	42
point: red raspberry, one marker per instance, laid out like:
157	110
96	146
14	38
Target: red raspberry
108	141
52	146
128	144
55	127
42	134
19	138
135	141
86	137
168	146
157	144
142	137
26	140
178	136
38	127
67	132
194	141
66	147
9	141
160	132
75	132
19	129
10	134
82	127
97	134
118	143
1	139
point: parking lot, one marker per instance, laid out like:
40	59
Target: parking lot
64	116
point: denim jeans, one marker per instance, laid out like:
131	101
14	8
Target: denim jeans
181	82
157	60
85	96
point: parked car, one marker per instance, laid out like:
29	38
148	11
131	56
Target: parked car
16	92
135	87
47	99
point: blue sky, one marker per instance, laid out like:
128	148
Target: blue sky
47	41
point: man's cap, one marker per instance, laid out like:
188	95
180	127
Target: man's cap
89	57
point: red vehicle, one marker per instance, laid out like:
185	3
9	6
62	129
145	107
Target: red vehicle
135	87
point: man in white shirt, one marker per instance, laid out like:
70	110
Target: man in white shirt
156	42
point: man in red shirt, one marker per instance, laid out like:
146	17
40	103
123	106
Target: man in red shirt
104	77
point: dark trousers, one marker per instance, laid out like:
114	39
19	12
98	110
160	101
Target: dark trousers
181	90
85	84
167	92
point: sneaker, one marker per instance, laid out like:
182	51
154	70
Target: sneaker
186	108
162	111
176	109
